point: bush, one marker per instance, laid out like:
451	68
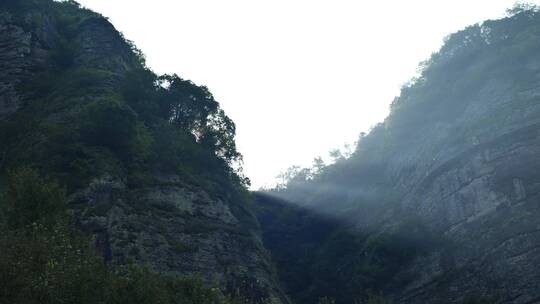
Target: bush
111	124
31	200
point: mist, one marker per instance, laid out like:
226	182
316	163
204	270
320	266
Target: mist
131	142
298	78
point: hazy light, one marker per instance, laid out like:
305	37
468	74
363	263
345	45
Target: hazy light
299	77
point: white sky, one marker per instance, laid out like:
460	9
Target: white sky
299	77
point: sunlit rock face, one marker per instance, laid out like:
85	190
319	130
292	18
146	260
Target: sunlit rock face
474	177
483	201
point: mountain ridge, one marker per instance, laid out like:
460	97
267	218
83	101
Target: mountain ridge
146	159
457	156
437	204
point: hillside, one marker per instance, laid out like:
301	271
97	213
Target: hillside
146	160
442	197
118	185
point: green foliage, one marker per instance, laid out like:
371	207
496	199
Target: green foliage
46	261
376	298
42	261
140	91
193	108
326	300
31	200
40	265
84	121
140	285
521	8
108	123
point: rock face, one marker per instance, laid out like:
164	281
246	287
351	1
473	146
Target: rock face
475	179
102	46
482	196
459	152
178	229
21	53
174	227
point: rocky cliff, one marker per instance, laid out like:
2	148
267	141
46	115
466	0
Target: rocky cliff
460	155
438	204
61	66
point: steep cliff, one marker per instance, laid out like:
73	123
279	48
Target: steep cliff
459	157
438	204
78	103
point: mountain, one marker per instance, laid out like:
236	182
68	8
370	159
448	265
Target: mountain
440	202
146	160
118	185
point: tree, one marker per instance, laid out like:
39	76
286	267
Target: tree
112	124
336	155
185	104
33	200
520	7
194	109
219	137
43	260
318	166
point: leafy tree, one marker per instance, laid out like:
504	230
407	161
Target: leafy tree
318	166
522	7
112	124
31	200
194	109
186	105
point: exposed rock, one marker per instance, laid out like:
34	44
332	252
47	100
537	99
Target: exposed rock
21	54
177	229
173	227
460	153
101	46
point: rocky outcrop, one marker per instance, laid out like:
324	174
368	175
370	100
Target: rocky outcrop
483	199
172	226
475	180
178	229
459	153
102	47
22	52
484	202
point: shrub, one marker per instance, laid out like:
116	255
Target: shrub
31	200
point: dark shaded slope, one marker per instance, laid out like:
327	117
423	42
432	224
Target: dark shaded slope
320	256
147	159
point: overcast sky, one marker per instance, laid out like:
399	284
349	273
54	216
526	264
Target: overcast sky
299	77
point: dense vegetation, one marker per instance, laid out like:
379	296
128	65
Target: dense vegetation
85	120
44	259
86	115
